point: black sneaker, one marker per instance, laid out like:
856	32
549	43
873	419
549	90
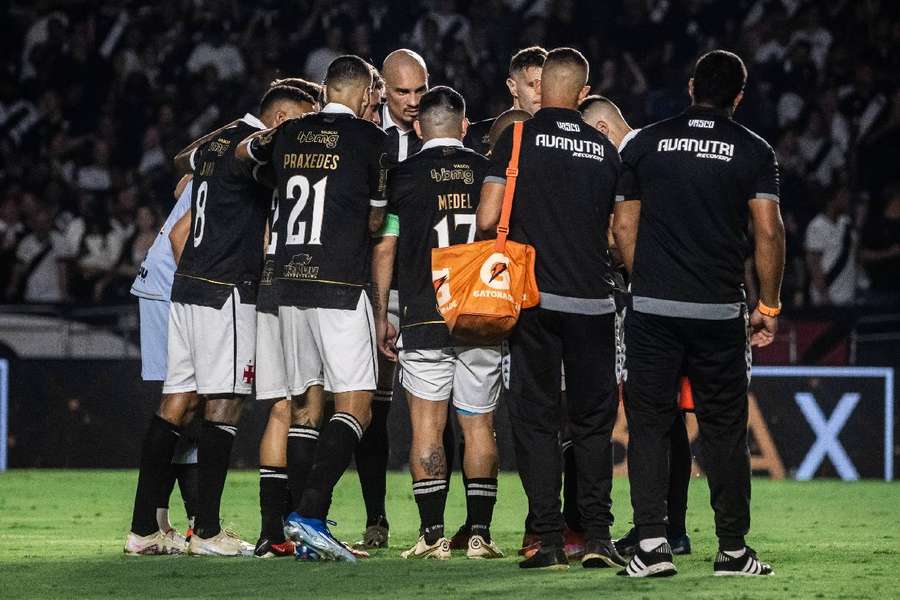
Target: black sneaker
656	563
627	545
599	554
548	557
745	565
681	544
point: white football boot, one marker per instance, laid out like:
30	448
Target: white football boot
480	548
440	550
225	543
157	543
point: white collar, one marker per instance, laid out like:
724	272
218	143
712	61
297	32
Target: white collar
253	121
388	122
338	108
434	142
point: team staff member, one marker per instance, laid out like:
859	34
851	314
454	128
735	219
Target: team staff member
330	180
405	79
602	114
523	84
566	221
697	172
436	213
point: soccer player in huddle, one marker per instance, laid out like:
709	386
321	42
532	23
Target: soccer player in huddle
432	199
523	83
330	181
213	298
283	459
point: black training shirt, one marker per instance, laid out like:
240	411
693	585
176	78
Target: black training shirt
694	175
228	220
564	196
330	171
435	195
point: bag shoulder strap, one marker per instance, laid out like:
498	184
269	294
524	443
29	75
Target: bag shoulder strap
512	172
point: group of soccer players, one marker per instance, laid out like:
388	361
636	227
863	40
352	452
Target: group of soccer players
302	239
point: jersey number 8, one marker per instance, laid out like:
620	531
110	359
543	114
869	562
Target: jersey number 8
296	229
200	218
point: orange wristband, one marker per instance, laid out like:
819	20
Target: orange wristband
768	310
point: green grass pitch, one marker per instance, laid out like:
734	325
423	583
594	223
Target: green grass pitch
61	536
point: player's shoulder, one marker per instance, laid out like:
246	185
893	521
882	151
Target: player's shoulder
752	138
366	128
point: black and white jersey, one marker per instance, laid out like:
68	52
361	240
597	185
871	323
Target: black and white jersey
478	136
694	175
400	144
330	170
435	195
265	298
564	197
228	219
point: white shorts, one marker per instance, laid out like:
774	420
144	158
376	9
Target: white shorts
154	338
271	381
212	351
330	347
470	375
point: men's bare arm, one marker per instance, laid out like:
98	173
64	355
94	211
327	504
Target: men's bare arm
383	253
626	216
183	158
179	234
768	229
488	215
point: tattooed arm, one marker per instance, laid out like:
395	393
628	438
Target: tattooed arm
383	253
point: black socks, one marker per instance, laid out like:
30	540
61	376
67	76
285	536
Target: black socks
156	465
481	496
214	454
371	461
301	453
274	502
336	445
431	498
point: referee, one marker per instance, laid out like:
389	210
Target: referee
690	188
567	179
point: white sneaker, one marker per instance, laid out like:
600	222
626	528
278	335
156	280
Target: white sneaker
225	543
154	544
440	550
177	538
479	548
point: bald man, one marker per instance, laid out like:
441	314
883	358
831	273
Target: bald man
405	80
522	82
565	193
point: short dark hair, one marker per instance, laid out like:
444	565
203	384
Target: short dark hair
533	56
279	93
442	98
347	69
313	89
589	101
719	76
568	57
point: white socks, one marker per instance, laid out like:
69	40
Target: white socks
652	543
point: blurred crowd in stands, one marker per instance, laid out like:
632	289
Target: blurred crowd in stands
97	97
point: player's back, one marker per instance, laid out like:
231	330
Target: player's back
330	173
696	174
435	193
228	215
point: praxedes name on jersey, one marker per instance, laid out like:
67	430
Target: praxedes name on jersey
329	172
